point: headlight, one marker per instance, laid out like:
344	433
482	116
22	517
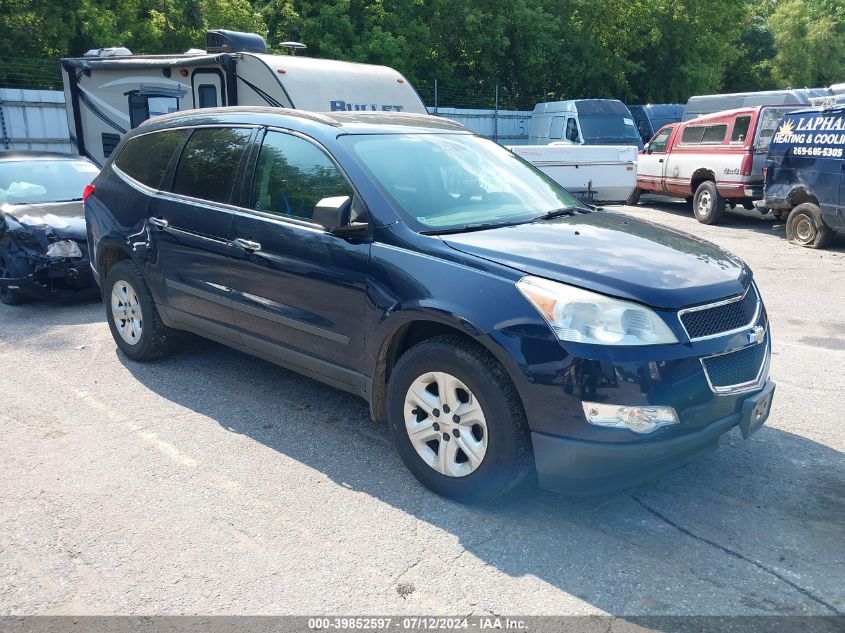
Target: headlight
581	316
637	419
64	248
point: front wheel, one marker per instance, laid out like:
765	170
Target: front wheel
805	227
457	421
132	314
634	197
708	205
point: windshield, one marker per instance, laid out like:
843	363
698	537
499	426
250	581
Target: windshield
443	182
35	181
609	129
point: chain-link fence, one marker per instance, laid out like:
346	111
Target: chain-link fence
21	72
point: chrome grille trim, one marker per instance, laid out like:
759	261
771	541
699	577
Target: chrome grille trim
751	385
759	307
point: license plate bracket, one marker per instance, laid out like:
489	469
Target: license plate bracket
755	410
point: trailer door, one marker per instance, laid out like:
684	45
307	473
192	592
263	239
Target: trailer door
208	88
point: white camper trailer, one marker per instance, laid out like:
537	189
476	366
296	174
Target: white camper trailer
108	92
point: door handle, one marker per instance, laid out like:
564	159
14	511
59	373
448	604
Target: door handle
247	245
660	161
159	223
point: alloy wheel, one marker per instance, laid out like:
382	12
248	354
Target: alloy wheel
126	312
446	424
705	203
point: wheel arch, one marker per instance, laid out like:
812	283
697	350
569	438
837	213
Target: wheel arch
800	195
411	330
699	176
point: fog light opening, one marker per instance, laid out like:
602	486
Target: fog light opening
638	419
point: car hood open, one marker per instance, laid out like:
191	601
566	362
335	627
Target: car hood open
616	255
64	219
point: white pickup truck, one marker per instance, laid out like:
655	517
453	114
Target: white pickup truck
595	173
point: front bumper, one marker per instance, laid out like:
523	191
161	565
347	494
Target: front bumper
572	466
56	279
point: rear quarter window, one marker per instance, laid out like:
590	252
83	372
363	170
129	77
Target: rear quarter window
145	158
692	135
209	163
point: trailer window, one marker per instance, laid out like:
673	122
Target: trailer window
145	158
143	107
293	175
207	94
209	163
740	131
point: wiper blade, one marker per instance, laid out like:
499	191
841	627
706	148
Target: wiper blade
557	213
468	228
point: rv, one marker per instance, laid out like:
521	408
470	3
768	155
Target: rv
110	91
708	104
584	122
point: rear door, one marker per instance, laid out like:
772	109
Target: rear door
298	290
191	226
651	167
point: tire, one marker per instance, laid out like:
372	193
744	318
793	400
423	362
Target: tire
132	314
499	438
708	205
634	199
9	267
805	227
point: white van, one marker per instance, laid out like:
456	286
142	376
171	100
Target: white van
584	122
109	92
708	104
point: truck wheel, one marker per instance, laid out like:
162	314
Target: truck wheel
11	268
456	420
634	198
132	314
708	205
805	227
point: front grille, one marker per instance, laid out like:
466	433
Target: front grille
735	370
721	317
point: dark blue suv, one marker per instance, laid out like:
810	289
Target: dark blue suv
805	176
496	325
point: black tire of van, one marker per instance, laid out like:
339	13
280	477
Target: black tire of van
805	227
708	212
634	198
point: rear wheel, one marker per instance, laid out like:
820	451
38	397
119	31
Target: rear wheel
805	227
456	420
9	268
708	205
634	198
132	314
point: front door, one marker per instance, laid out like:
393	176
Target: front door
192	223
651	167
298	290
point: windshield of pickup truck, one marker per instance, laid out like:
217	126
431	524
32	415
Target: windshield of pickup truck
448	182
604	129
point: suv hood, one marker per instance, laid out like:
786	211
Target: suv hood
64	219
616	255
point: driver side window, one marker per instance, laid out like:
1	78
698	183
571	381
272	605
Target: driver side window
572	130
658	143
292	175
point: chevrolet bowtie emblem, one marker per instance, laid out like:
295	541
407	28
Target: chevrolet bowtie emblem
756	335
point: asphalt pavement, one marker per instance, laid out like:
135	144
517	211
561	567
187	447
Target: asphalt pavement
212	482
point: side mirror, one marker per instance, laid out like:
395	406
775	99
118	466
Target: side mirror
647	148
335	215
332	213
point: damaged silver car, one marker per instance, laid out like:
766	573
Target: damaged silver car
43	247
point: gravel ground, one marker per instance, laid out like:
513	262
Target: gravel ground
215	483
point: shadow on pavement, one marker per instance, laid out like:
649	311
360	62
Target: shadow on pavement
752	528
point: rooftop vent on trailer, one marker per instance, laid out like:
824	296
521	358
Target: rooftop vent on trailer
221	41
111	51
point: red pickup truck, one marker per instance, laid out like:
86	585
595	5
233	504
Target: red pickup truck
710	161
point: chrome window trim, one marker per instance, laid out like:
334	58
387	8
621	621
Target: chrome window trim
717	304
750	385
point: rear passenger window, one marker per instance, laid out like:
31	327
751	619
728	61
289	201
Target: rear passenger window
145	158
293	175
209	163
714	134
740	131
692	135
